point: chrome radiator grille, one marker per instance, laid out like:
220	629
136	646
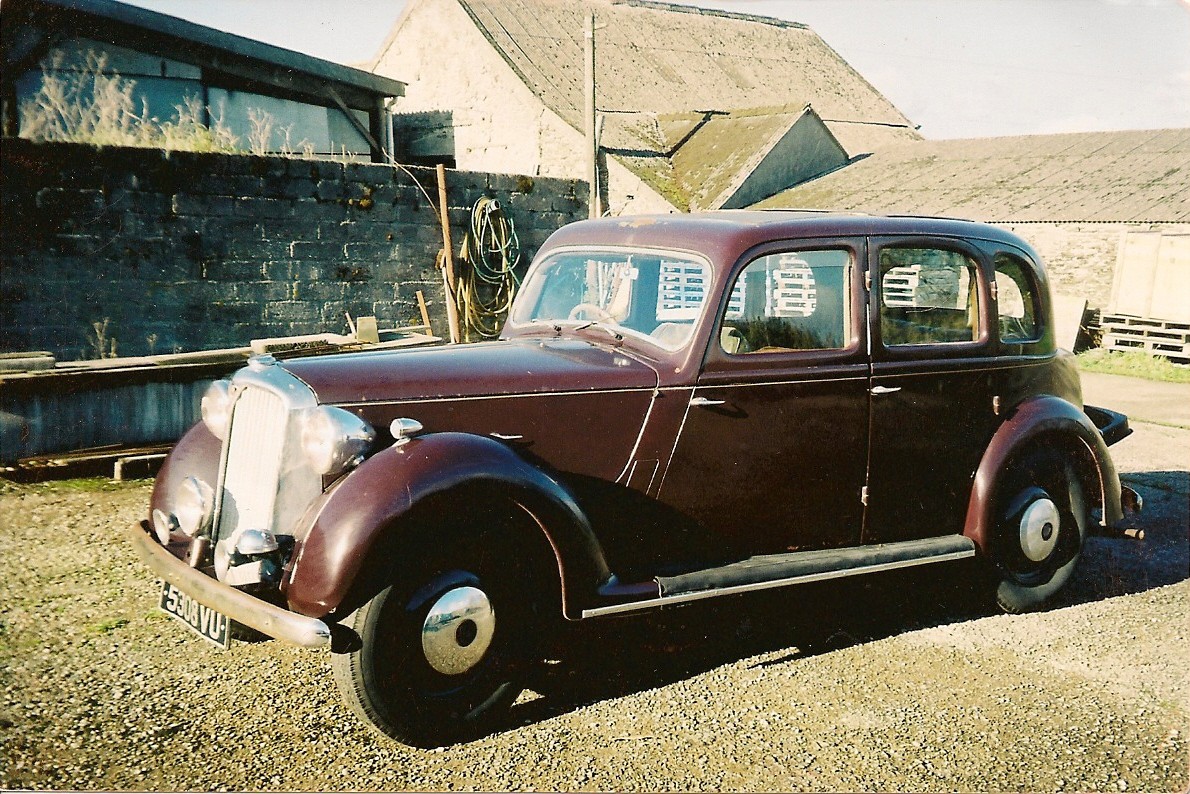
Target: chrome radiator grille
254	460
265	479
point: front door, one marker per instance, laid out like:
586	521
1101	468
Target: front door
932	409
773	453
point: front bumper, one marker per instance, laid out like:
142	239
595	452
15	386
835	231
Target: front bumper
239	606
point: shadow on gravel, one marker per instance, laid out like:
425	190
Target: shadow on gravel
617	657
1113	567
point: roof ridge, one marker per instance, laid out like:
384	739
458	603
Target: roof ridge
712	12
171	26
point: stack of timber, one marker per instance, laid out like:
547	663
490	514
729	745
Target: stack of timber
1149	307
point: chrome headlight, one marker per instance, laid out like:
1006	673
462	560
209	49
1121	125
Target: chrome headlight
195	502
216	408
334	439
163	525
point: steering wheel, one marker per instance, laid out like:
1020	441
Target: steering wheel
590	308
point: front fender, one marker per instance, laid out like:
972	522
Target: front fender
349	519
1033	419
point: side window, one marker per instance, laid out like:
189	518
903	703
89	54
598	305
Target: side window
790	301
1016	297
928	296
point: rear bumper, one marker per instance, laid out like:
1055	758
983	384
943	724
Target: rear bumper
1112	425
239	606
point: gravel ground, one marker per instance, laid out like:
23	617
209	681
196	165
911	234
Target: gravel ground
889	684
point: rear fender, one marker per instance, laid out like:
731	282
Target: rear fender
364	507
1031	421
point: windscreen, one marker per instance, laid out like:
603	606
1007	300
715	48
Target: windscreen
649	295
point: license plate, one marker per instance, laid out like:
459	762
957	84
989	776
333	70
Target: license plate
200	618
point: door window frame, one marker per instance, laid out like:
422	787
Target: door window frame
980	346
718	362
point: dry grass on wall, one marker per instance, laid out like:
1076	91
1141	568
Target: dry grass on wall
97	106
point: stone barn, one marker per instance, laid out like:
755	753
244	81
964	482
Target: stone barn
697	109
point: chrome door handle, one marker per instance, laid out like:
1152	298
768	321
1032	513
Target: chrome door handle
885	389
706	401
506	436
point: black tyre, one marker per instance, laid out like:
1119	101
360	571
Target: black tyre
440	652
1042	520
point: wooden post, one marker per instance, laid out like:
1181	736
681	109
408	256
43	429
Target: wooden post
594	210
448	261
425	313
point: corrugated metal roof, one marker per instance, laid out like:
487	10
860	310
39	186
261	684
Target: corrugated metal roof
661	68
162	33
1130	176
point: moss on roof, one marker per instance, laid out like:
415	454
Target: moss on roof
661	68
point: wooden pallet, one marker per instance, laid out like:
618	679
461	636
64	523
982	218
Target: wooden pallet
1156	337
1131	321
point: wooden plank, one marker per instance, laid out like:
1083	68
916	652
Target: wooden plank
1136	265
1152	276
1068	319
1171	282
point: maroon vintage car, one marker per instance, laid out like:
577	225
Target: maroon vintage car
680	407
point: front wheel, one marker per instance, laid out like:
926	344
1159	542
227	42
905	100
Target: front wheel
1042	522
438	654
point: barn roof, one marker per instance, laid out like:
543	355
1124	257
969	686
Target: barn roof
685	90
1130	176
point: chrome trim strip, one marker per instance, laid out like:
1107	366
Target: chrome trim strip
572	393
677	440
680	598
272	620
625	473
509	396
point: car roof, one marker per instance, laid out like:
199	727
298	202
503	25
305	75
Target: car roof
726	234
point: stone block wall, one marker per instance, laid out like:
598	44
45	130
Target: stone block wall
185	251
1080	258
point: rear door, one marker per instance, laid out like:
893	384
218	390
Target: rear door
932	410
773	452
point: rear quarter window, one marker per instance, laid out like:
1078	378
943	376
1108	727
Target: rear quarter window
1017	300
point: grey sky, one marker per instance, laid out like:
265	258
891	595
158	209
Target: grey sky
959	68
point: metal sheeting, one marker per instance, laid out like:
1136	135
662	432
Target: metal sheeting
1117	177
56	421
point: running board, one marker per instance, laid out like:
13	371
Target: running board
782	570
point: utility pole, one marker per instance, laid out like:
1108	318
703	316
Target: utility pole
594	209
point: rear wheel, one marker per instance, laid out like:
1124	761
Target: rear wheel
440	652
1042	522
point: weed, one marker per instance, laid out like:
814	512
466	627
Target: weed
103	345
110	625
88	485
96	106
1135	363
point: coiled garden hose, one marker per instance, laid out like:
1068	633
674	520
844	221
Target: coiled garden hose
485	277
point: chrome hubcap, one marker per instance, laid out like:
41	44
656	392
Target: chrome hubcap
1039	529
458	630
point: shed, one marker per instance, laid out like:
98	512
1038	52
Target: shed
337	109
